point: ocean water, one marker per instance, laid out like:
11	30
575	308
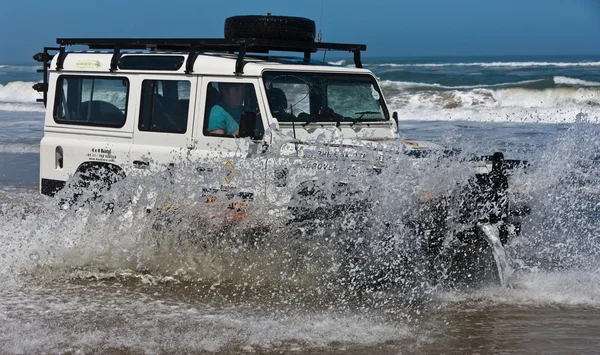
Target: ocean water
86	281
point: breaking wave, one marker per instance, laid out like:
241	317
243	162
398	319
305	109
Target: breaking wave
564	101
19	68
562	80
493	64
338	62
20	148
505	97
19	96
539	84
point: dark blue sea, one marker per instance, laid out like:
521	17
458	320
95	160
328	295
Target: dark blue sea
82	281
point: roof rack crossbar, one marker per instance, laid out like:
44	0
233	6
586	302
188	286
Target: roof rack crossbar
191	59
114	61
61	58
357	61
239	63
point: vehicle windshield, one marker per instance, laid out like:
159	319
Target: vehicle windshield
324	97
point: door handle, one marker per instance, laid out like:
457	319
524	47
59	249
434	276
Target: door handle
203	169
140	164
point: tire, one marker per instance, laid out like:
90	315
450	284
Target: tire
97	177
270	27
314	201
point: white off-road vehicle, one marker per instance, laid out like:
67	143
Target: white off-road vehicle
131	106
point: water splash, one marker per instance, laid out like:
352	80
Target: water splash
492	235
162	226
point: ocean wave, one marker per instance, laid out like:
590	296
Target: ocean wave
505	114
540	84
18	91
491	64
19	148
563	80
338	62
22	107
19	96
409	85
558	97
18	68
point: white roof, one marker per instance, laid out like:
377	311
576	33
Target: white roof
205	64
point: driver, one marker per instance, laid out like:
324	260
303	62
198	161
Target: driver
224	117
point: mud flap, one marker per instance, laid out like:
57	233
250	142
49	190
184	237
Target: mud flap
473	258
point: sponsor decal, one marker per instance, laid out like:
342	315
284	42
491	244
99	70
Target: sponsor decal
319	166
101	154
88	64
231	172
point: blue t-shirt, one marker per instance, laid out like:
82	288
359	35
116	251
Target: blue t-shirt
224	117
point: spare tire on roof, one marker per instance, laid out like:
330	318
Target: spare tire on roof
270	27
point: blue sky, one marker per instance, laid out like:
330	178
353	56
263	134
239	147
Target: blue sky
389	28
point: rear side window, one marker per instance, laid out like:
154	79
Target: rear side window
94	101
165	106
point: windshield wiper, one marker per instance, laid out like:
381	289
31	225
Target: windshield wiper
362	113
359	119
327	113
310	119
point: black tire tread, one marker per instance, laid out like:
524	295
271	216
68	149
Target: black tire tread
270	27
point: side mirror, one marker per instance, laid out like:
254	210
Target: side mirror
248	124
395	117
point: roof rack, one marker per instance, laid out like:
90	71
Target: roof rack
193	46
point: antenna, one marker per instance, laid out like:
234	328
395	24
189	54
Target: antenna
320	37
294	130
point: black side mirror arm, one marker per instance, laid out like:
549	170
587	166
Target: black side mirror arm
395	117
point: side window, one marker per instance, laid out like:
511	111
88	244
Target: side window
165	106
95	101
225	104
288	100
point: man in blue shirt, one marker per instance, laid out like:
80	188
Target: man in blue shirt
225	116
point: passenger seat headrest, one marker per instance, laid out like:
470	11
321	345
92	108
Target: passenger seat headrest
277	100
213	97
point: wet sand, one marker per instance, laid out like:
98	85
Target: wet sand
136	317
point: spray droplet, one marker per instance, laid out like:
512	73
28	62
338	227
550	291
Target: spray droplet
34	256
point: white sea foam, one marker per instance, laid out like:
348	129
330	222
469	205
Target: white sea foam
563	80
18	91
22	107
405	85
567	288
338	62
19	68
506	104
508	114
19	96
19	148
493	64
158	323
503	106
